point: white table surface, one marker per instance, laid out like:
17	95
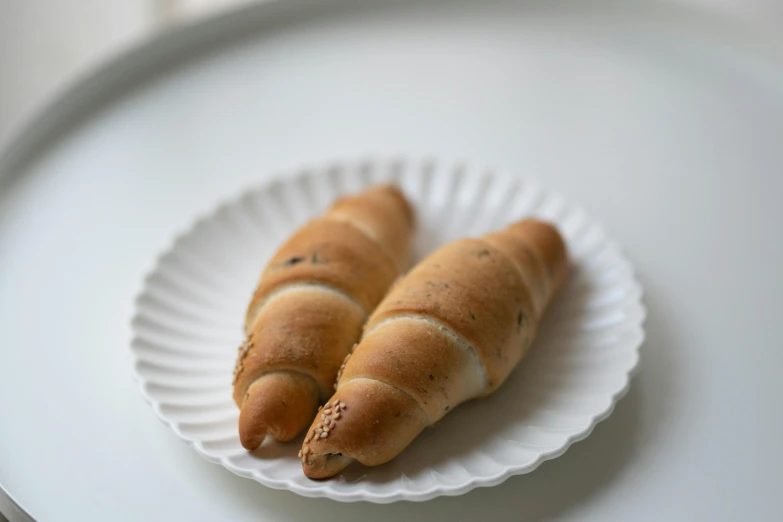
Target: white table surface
48	45
666	127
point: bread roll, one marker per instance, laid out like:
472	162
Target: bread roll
452	330
309	307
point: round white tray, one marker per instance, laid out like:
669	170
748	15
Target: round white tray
662	122
188	321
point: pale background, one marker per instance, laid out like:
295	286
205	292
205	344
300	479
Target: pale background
47	44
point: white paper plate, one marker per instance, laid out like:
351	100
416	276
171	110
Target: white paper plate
189	318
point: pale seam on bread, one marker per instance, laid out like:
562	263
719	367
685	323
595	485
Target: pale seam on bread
455	337
278	370
303	285
296	287
534	255
335	215
390	385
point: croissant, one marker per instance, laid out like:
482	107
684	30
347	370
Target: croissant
453	329
309	308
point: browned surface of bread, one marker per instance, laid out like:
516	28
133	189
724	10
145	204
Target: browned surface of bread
378	421
269	407
453	329
379	213
333	253
304	328
531	267
451	375
475	291
548	244
309	308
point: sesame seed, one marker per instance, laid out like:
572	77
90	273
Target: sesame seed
324	434
335	386
328	411
320	425
300	454
319	430
342	405
331	423
307	439
336	415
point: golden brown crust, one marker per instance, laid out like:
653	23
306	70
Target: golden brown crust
381	212
305	328
309	307
279	403
472	288
378	422
530	266
548	244
483	296
403	205
451	374
334	253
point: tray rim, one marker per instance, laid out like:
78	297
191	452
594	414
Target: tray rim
155	52
103	83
